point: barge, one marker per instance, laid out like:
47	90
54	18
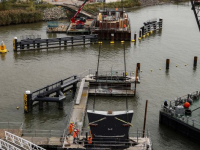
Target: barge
113	24
179	114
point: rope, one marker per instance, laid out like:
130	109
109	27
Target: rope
123	121
97	120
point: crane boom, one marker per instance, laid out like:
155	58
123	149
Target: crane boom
73	18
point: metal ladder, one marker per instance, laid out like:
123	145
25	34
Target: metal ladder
7	146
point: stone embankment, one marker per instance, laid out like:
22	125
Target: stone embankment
54	13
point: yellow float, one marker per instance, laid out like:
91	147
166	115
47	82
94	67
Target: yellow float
3	48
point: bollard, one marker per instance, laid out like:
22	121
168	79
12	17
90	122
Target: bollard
27	101
195	61
167	63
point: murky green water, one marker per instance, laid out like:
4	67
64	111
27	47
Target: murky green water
178	41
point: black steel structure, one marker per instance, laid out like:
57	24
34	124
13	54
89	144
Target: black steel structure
50	93
196	9
38	43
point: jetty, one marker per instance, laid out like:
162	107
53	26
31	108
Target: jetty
80	84
35	43
178	115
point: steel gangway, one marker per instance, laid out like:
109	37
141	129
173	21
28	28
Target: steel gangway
27	145
7	146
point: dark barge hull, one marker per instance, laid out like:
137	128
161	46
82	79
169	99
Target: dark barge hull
118	35
185	129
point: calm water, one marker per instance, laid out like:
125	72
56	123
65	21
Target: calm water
178	41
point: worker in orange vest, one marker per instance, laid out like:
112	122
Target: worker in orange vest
71	127
75	134
89	139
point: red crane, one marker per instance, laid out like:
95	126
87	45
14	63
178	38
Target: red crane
82	20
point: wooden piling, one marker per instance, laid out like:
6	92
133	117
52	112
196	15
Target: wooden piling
145	116
195	61
135	36
140	34
112	37
167	63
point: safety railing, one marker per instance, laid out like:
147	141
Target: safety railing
21	142
7	146
42	133
51	87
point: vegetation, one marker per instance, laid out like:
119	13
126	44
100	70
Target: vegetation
12	12
19	16
92	8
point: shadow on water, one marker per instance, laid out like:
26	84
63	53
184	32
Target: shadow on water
3	56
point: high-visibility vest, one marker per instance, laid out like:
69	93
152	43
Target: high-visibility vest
71	126
89	139
75	135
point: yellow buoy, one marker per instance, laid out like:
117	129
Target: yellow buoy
112	42
141	71
185	64
151	32
159	68
132	40
122	41
139	38
176	65
3	48
147	34
17	107
143	36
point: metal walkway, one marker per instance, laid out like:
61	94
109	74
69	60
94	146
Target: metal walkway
21	142
196	9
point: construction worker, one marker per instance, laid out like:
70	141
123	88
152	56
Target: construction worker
89	139
75	134
71	127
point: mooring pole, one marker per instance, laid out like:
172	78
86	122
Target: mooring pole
135	36
27	101
167	63
195	61
145	115
15	44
